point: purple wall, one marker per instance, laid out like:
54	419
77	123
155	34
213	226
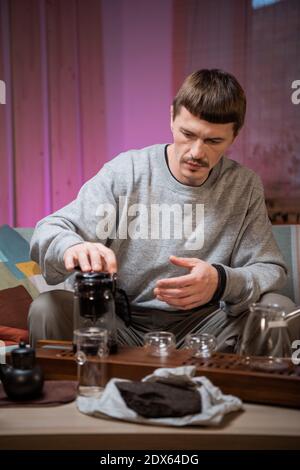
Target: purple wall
137	52
88	79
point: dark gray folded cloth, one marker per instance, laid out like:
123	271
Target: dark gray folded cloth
160	400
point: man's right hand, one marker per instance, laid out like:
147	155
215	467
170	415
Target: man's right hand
90	257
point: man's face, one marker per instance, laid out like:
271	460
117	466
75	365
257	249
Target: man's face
198	146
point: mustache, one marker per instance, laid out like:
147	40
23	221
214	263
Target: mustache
203	163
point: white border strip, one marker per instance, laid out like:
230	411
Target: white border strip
295	245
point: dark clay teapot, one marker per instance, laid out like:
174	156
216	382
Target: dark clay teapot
23	380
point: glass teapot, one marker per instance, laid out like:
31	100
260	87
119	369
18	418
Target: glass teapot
266	341
97	301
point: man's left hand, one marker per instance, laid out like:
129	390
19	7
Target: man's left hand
191	290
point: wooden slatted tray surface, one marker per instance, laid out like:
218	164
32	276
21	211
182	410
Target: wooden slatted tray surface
227	371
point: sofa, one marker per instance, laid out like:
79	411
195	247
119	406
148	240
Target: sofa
21	279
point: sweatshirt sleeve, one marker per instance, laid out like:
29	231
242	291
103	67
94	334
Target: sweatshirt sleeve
75	223
257	265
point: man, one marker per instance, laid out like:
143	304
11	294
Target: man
185	228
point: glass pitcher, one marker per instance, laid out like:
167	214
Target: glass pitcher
266	343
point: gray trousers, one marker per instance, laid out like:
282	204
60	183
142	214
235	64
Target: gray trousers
51	317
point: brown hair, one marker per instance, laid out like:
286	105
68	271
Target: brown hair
212	95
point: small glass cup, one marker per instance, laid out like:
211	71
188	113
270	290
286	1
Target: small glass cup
201	344
159	343
91	346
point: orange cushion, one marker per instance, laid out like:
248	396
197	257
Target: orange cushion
13	335
14	306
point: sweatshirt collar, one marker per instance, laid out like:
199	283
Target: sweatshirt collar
177	186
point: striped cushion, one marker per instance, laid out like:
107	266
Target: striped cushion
16	268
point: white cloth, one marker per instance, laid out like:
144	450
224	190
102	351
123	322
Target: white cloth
214	403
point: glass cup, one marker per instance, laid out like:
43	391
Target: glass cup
159	343
91	346
201	344
265	343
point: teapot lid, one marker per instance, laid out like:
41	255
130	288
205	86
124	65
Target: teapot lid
92	275
93	278
23	356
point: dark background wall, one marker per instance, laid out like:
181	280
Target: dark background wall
87	79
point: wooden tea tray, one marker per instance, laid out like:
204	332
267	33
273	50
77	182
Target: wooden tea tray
226	371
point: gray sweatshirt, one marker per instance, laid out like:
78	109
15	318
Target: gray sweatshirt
136	207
